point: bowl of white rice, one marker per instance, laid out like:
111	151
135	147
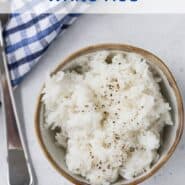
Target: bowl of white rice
109	114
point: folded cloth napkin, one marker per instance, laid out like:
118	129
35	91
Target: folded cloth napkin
28	35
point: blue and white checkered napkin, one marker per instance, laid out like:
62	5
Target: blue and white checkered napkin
28	36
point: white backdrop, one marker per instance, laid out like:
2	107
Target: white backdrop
163	35
97	6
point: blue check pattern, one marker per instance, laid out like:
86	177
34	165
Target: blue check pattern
27	38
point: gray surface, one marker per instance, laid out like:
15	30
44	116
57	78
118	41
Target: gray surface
164	35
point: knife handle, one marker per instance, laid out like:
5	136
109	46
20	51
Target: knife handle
6	98
15	140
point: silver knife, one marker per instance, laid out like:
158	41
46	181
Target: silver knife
17	158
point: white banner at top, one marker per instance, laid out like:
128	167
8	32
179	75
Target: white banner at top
92	6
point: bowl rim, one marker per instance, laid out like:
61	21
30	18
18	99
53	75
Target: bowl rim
128	48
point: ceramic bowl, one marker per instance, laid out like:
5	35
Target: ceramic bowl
171	136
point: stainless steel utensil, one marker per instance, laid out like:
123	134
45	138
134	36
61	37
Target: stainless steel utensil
19	166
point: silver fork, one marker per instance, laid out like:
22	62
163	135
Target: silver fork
18	161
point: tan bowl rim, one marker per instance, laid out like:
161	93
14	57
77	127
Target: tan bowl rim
128	48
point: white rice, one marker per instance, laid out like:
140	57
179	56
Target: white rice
108	114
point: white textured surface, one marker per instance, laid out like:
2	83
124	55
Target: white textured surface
163	35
